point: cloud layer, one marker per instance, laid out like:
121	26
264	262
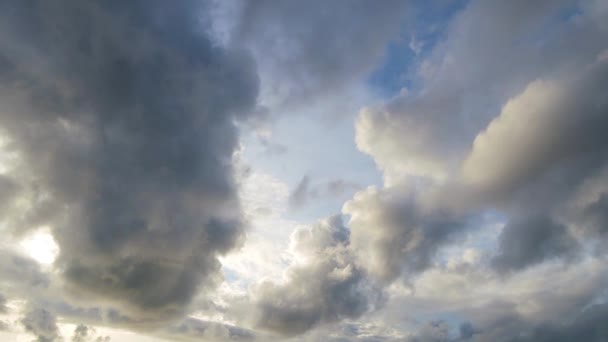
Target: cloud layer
123	139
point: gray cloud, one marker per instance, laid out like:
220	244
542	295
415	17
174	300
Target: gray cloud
302	193
123	116
42	324
315	45
195	330
8	189
83	333
553	126
3	308
545	143
583	325
326	286
480	65
306	191
21	273
530	241
590	326
394	234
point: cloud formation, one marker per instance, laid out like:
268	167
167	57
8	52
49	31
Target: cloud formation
324	285
315	46
531	241
123	118
124	134
41	324
394	234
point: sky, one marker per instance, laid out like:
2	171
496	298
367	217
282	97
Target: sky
342	171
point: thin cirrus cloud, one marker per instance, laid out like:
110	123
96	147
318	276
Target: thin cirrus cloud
123	151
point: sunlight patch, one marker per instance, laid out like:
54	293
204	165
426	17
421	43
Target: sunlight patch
41	246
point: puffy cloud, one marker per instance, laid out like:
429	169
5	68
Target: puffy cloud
533	240
427	131
324	285
395	233
400	145
42	324
551	122
123	120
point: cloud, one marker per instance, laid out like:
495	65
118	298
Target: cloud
195	330
339	187
316	45
530	241
42	324
551	123
324	285
476	66
588	326
394	234
305	191
83	333
123	117
302	193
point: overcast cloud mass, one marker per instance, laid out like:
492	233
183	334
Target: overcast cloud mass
206	170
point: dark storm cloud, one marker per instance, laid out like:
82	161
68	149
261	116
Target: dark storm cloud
42	324
530	241
326	286
123	115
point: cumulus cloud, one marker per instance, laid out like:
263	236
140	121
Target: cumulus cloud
123	119
394	233
551	122
42	324
302	193
478	66
119	132
324	285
